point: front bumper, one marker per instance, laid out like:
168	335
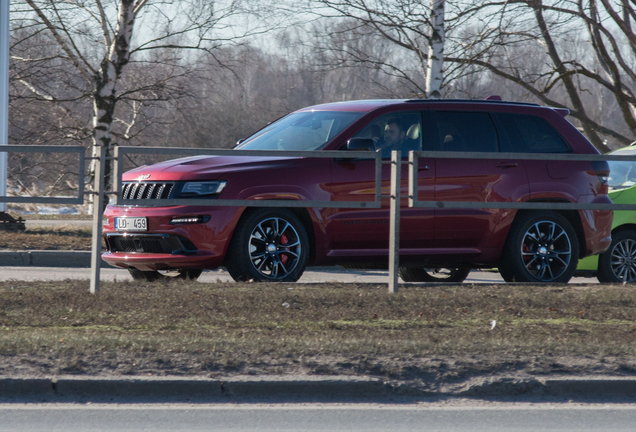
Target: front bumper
166	246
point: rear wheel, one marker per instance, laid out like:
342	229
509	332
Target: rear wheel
417	274
541	247
269	245
618	263
151	276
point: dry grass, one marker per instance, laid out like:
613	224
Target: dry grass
193	328
65	237
35	216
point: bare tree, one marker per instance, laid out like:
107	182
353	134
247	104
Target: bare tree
427	32
536	44
97	42
566	73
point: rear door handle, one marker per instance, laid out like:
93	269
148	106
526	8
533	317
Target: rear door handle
423	168
506	164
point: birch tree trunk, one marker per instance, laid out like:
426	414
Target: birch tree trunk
105	96
435	63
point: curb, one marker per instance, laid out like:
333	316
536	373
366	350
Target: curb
337	388
557	387
46	258
177	388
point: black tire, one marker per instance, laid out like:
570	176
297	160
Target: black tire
618	263
417	274
151	276
268	245
541	247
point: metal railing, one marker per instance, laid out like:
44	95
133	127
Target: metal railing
413	162
49	149
120	153
396	181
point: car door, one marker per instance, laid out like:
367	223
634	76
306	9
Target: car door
546	178
365	232
473	180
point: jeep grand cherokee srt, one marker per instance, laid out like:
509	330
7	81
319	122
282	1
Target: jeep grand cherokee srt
277	244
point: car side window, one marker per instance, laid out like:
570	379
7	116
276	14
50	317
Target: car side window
466	132
532	134
395	131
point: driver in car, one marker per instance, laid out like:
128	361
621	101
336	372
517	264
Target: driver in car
394	136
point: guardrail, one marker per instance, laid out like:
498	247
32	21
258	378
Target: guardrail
394	196
413	169
48	149
120	152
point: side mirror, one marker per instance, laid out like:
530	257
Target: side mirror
361	144
239	142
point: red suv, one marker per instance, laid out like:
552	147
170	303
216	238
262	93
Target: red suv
277	244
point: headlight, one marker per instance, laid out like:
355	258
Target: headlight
195	189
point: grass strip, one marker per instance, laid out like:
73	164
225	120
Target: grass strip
175	327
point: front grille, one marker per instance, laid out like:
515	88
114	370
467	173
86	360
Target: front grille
157	243
139	190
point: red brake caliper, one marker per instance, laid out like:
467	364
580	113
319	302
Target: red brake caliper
284	240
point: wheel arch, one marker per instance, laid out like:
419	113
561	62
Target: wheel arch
572	216
624	227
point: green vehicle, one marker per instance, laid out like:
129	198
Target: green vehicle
618	263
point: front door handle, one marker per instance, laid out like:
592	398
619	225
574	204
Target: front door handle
423	168
506	164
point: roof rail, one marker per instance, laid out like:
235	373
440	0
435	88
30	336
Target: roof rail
479	101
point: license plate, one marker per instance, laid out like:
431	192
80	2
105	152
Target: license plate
131	224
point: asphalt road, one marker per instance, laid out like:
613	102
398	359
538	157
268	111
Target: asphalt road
312	275
318	417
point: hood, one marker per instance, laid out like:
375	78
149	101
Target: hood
203	167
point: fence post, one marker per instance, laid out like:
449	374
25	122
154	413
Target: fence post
394	234
116	171
98	211
4	96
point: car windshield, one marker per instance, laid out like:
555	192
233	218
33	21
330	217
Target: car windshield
622	175
301	131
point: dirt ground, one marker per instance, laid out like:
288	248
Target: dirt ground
437	335
428	335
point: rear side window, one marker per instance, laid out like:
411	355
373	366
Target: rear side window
466	132
531	134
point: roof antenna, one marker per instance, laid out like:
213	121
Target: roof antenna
494	97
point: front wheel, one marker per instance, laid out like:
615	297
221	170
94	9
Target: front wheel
151	276
541	247
618	263
417	274
269	245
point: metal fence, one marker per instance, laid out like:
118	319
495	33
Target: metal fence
120	153
396	181
49	149
413	162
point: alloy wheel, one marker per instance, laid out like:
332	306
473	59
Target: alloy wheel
546	250
623	260
274	248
